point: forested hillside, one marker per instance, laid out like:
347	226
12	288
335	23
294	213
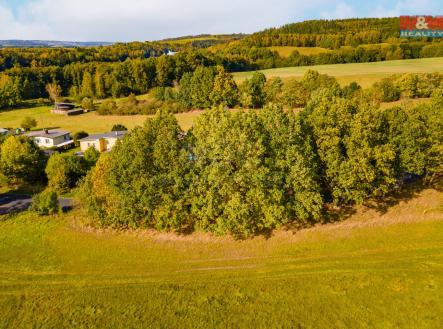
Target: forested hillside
121	69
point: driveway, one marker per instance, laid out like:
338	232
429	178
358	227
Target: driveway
10	203
13	203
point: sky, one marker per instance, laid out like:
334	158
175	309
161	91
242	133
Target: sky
145	20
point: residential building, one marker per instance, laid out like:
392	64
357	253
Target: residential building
51	138
101	142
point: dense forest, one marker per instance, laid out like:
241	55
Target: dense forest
121	69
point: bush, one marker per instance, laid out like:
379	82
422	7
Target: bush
79	135
119	127
45	203
107	107
28	123
88	104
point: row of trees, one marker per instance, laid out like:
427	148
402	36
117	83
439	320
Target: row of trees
250	171
207	87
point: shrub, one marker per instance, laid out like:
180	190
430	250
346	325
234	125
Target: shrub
88	104
79	135
119	127
28	123
45	203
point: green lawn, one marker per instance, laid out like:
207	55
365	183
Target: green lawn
364	73
90	122
369	271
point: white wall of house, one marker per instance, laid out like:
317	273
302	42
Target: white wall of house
46	141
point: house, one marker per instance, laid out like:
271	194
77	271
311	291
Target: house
66	109
101	142
51	138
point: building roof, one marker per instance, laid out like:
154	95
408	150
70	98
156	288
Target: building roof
112	134
47	134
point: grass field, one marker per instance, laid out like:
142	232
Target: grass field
377	269
286	51
363	73
90	122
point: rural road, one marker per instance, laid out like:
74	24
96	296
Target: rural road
13	203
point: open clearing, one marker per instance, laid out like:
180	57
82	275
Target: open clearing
363	73
286	51
377	269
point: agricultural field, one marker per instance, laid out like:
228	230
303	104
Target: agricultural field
286	51
382	267
366	74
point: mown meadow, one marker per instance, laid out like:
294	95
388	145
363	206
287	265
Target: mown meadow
365	74
380	268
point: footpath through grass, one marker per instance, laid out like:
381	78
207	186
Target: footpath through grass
372	270
366	74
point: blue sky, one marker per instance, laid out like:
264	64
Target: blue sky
129	20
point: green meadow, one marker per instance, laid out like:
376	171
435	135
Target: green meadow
379	268
364	73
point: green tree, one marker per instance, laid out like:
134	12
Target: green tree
64	172
225	90
21	160
253	90
142	182
57	171
294	94
54	91
91	156
273	89
87	87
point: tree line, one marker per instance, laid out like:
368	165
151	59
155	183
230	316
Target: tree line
246	172
209	87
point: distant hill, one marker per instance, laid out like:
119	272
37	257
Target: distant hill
49	44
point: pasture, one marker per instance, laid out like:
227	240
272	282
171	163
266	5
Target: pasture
365	74
379	268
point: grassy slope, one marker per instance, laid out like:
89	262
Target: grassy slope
364	73
286	51
370	271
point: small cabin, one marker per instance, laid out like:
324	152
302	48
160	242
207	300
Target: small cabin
66	109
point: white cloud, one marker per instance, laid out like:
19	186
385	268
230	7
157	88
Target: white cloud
126	20
342	10
408	7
